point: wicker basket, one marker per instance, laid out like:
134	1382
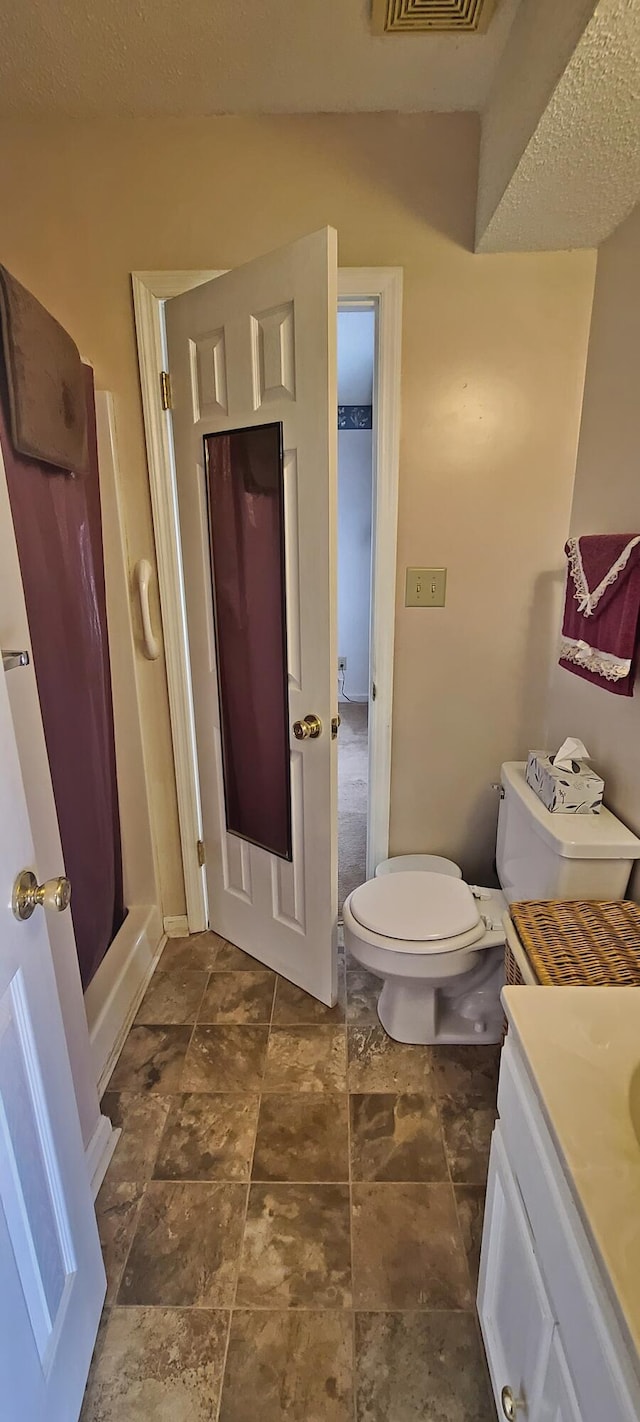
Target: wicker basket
579	942
512	975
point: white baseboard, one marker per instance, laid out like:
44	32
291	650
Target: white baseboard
99	1152
177	927
361	700
115	993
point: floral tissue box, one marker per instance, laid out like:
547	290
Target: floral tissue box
565	792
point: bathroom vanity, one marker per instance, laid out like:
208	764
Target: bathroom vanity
559	1289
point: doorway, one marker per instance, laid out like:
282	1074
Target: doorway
356	373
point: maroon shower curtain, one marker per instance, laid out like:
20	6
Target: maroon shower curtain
58	525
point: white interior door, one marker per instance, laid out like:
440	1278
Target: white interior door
255	346
559	1402
52	1282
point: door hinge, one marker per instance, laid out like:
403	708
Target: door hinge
165	390
202	854
373	691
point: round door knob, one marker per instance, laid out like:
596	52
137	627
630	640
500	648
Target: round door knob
29	895
308	729
511	1405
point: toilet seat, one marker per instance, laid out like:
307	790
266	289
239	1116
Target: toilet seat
416	913
424	863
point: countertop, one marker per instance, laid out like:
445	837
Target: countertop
581	1046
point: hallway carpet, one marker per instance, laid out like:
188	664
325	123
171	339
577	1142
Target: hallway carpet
352	797
291	1219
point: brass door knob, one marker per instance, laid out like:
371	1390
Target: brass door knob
29	895
308	729
511	1405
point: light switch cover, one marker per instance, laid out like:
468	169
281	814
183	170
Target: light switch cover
425	587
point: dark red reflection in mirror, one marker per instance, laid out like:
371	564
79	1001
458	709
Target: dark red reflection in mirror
245	490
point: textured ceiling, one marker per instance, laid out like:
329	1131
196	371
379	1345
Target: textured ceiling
135	57
574	172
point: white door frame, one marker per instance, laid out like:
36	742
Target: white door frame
357	287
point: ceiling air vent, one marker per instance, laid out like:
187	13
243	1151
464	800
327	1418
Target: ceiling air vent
456	16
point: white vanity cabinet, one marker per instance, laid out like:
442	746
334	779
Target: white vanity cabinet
557	1351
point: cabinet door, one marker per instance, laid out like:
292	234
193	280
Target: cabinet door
515	1315
559	1402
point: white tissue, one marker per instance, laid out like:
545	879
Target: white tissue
570	750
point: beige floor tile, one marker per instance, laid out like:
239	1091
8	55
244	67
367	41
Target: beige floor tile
152	1060
470	1205
208	1136
294	1007
117	1208
376	1063
174	996
225	1058
140	1118
407	1248
232	959
186	1246
467	1073
411	1367
302	1137
306	1059
466	1080
296	1250
396	1137
290	1365
467	1128
363	991
243	998
198	952
158	1365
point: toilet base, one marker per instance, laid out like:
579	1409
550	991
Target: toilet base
464	1009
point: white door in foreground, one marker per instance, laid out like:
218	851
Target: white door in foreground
52	1282
252	348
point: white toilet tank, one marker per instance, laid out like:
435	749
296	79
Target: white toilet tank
545	856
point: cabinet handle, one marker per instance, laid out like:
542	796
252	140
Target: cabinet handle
511	1405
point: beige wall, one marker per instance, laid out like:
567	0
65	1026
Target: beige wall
493	366
607	500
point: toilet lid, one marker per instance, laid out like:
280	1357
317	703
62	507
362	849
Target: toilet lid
416	907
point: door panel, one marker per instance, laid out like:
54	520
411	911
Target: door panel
257	345
32	1199
52	1280
515	1314
559	1402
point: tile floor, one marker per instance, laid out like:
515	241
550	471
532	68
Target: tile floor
292	1217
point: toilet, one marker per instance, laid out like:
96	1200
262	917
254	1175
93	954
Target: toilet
437	943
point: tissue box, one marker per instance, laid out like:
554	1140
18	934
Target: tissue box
565	792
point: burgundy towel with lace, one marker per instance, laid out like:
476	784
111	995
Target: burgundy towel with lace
601	624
